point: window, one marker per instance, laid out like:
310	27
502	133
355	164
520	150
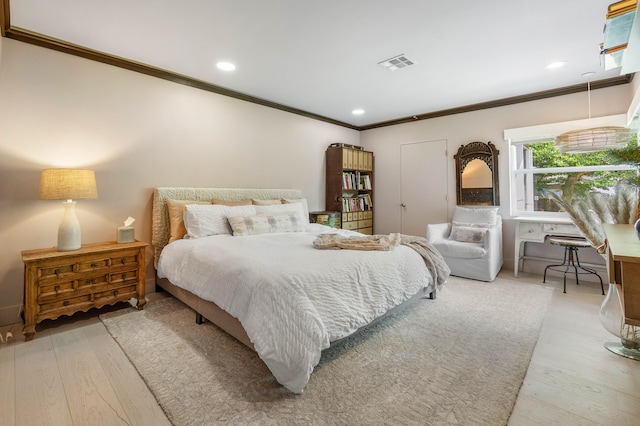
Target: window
540	173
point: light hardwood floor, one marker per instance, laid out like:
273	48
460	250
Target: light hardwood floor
572	379
74	373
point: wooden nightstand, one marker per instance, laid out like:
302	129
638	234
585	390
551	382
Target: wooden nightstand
64	282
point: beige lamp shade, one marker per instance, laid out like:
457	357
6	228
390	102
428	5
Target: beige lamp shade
67	184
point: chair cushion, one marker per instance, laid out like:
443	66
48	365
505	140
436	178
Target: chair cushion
460	250
476	214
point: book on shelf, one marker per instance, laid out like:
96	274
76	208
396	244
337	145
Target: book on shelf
365	182
356	202
355	180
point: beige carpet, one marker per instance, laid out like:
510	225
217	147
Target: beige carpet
459	359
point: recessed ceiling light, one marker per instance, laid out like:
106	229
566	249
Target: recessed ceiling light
555	65
225	66
357	111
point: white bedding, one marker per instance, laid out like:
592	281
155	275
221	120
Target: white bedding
292	299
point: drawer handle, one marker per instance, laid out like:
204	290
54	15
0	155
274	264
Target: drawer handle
56	271
57	288
91	281
65	303
123	261
115	292
94	265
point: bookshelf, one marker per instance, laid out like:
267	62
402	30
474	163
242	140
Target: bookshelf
349	188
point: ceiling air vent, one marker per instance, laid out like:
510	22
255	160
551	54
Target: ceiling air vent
396	63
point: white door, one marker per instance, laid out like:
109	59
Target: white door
424	183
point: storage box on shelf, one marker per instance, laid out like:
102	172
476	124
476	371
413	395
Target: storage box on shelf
349	186
327	218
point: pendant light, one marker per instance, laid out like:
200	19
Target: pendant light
593	139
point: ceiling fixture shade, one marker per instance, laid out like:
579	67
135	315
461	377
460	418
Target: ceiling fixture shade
592	139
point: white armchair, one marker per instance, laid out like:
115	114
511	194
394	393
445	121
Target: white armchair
474	248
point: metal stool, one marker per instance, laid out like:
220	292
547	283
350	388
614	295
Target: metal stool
571	260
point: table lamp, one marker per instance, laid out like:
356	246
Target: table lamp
68	184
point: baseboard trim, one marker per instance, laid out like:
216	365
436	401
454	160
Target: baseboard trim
10	315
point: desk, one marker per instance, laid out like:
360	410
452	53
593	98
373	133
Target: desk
623	250
536	229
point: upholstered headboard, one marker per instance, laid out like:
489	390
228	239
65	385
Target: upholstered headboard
160	229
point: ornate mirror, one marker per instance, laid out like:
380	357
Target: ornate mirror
477	174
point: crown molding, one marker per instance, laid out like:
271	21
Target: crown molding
561	91
36	39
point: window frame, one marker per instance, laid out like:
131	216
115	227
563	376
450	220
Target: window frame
514	172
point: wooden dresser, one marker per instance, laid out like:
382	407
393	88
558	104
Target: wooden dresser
64	282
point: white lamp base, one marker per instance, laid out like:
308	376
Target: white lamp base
69	230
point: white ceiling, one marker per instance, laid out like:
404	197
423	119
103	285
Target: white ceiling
322	56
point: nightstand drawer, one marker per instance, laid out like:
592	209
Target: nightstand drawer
126	276
117	294
52	309
53	271
93	264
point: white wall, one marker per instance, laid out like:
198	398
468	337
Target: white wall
137	132
486	125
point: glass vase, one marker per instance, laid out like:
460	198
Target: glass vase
612	320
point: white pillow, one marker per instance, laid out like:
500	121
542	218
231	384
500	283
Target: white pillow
265	224
202	220
305	206
284	208
486	215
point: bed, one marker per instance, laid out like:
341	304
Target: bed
270	287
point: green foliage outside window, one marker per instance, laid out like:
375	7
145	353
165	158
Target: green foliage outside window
576	185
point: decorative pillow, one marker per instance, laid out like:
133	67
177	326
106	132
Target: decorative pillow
305	207
231	202
467	234
284	208
176	224
264	224
487	215
204	220
257	202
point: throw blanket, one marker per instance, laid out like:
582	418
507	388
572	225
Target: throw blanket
368	242
432	258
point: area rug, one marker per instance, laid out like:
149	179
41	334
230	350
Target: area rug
459	359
